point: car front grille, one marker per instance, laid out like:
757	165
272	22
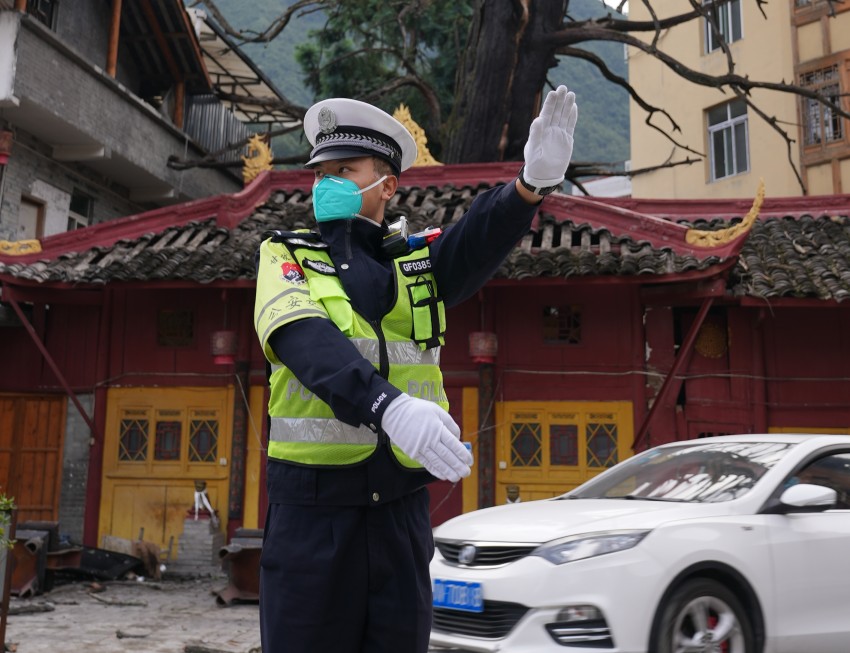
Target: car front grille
496	621
486	555
586	634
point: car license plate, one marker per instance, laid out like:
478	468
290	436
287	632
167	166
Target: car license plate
458	595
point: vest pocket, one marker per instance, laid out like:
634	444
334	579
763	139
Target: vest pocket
429	315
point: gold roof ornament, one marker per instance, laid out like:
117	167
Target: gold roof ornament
258	159
19	247
423	157
704	238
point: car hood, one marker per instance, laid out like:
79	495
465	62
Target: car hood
542	521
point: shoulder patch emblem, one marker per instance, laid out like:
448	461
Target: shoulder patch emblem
320	266
413	268
292	273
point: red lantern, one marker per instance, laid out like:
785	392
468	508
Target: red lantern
483	346
6	140
223	347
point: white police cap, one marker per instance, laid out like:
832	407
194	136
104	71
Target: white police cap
341	128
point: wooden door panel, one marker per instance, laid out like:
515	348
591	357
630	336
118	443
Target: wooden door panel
548	448
156	511
151	452
32	430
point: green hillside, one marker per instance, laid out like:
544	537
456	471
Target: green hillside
603	131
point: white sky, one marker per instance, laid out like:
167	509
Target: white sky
614	3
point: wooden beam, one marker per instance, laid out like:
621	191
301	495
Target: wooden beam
161	41
51	295
21	5
10	296
114	33
672	381
179	102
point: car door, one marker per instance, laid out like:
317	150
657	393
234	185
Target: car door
811	566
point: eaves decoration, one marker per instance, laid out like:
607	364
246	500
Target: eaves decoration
706	238
259	159
423	156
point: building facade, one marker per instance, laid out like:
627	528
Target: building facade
806	42
616	324
96	99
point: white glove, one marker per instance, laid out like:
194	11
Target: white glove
550	140
429	435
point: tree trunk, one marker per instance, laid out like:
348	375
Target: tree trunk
500	79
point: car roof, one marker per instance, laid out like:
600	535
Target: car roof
821	439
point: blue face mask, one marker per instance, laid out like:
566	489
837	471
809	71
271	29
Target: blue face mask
335	198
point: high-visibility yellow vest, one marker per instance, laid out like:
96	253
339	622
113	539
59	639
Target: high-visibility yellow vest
296	279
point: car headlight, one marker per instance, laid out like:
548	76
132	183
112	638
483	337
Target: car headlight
579	547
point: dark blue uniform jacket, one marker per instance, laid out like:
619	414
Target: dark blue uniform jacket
326	362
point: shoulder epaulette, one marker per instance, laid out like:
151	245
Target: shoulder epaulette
296	238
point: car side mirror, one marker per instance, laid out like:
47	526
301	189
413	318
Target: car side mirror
805	497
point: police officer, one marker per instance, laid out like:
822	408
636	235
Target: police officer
351	320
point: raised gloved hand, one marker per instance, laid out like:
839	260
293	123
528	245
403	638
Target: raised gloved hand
550	141
429	435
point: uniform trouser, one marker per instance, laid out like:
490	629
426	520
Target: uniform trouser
347	579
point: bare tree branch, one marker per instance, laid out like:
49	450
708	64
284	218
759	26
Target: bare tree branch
295	111
274	28
616	79
569	37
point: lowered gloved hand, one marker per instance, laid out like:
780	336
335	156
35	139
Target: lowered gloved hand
429	435
550	141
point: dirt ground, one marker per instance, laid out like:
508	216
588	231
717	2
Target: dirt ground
171	616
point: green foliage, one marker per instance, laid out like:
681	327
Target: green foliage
7	505
367	43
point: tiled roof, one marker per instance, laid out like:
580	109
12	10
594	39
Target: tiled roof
795	256
807	256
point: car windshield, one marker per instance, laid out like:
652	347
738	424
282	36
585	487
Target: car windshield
693	472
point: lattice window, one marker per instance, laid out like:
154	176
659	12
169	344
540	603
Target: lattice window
821	124
563	445
133	441
167	439
601	444
526	444
562	324
203	440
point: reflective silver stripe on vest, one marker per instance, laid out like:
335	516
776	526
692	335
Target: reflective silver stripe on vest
312	429
399	353
281	295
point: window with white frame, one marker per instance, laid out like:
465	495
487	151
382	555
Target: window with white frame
80	211
728	139
821	124
723	22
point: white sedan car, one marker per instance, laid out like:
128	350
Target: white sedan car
734	544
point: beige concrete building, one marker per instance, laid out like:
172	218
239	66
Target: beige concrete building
797	41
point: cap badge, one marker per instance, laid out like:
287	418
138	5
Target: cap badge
327	120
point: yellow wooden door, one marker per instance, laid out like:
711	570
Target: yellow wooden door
546	448
159	441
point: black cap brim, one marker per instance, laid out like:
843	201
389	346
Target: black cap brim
334	153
